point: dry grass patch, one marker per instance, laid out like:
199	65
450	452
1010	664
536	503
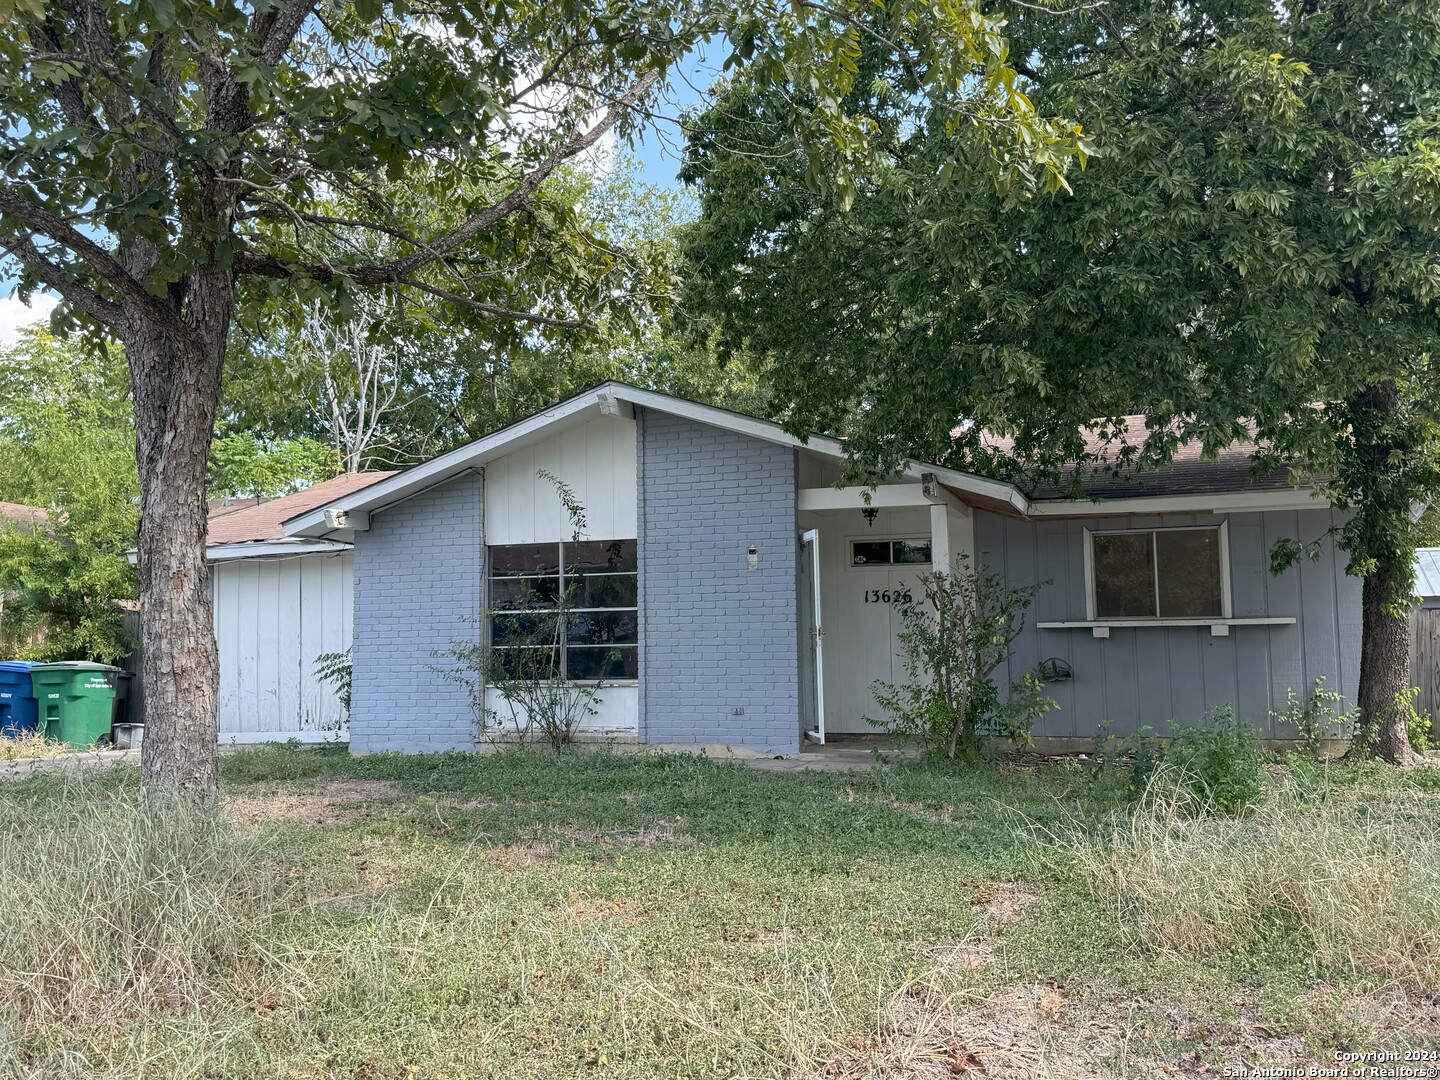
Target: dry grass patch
521	856
925	1033
31	746
1003	901
1356	876
656	833
334	803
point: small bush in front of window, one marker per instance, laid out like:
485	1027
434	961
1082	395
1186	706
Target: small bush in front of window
1216	766
954	635
540	699
1317	718
562	617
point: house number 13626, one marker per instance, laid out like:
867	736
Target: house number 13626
888	596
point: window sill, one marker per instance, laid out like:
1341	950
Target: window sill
1218	627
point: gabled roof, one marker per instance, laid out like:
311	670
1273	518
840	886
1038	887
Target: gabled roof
619	399
260	522
614	399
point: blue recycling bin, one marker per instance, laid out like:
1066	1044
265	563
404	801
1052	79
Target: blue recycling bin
19	712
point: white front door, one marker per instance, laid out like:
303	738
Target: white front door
812	640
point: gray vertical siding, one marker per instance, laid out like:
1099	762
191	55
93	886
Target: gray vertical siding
715	636
1155	675
417	576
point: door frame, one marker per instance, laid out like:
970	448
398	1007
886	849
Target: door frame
811	538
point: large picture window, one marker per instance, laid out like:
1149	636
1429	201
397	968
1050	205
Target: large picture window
573	601
1158	574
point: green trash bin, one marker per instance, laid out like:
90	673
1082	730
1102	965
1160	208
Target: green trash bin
76	700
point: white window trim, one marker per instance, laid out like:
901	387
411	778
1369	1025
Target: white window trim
487	618
862	538
1226	610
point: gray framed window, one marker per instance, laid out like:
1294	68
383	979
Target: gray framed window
598	582
889	552
1169	573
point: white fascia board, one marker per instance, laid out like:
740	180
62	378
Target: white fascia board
723	418
271	549
610	399
974	484
855	498
1234	502
445	467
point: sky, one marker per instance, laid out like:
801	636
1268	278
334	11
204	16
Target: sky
658	147
14	314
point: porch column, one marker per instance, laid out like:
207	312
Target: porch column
941	561
952	536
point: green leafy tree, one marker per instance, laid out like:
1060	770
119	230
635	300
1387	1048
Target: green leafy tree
67	446
244	466
166	162
1251	252
445	385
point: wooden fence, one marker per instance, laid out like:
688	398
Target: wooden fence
1425	659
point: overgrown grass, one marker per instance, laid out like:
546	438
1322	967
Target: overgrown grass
538	915
1350	875
30	746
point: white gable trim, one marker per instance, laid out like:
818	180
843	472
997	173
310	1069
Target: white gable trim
1225	502
271	549
619	400
616	400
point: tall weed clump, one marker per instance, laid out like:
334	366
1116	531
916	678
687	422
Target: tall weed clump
1352	877
117	918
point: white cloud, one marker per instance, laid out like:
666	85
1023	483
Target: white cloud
14	314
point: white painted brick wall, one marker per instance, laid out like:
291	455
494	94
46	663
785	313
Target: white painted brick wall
417	573
716	636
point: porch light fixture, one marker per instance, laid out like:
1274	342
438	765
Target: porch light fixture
871	513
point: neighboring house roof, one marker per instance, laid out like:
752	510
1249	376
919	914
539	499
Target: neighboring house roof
1427	572
22	514
1195	486
1189	472
258	523
25	518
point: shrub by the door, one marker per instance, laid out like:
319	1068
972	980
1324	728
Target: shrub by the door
955	634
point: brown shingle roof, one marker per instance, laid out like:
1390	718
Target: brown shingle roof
250	522
22	514
1188	473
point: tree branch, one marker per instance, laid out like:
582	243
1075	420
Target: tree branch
277	28
98	308
37	219
499	312
381	273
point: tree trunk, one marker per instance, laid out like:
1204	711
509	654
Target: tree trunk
1384	672
176	385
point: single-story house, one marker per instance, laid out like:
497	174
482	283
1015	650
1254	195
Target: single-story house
743	598
279	603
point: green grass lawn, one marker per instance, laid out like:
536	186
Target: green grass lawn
533	916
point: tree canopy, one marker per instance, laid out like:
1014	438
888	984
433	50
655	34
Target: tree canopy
1251	251
67	446
167	164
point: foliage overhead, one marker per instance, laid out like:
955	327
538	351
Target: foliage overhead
124	121
1252	250
460	378
243	466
